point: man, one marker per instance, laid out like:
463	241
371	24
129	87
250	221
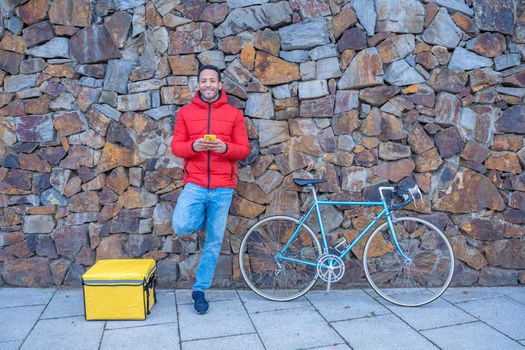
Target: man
210	171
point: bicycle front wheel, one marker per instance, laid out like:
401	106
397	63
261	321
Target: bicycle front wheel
415	281
264	269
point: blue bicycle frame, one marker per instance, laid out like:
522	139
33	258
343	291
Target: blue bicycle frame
384	212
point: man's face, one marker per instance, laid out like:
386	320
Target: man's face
209	85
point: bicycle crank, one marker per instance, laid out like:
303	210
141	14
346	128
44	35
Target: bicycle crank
330	268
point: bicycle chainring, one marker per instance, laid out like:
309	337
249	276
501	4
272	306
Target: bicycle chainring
330	268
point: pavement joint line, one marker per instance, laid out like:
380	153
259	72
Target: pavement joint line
219	337
178	318
362	317
251	320
449	325
140	326
59	317
322	346
329	324
488	325
510	296
14	307
387	304
102	336
283	309
38	319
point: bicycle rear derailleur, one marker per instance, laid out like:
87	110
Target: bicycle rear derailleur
330	268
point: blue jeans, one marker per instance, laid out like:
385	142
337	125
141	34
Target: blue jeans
198	207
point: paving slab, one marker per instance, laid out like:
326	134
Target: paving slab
346	304
12	297
184	296
158	337
460	295
438	313
470	336
11	345
65	303
381	332
225	318
65	333
516	293
255	303
298	328
503	313
164	311
236	342
16	322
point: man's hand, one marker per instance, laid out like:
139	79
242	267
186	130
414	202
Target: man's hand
202	145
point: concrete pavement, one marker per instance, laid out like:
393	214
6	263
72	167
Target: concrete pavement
463	318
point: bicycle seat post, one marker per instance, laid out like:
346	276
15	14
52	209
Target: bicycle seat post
314	194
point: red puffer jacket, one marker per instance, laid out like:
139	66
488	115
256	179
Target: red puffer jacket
210	169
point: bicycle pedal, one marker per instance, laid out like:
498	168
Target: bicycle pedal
339	247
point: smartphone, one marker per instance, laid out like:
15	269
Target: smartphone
210	137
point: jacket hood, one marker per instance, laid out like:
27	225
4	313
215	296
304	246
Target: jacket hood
222	100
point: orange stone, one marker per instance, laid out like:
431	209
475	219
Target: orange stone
411	89
247	56
152	16
183	64
33	11
13	43
271	70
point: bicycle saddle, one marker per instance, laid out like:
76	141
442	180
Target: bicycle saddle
307	182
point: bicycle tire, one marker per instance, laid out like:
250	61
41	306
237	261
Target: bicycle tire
409	283
258	263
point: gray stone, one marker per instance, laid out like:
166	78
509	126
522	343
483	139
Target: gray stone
447	109
159	39
399	73
496	16
127	4
313	89
403	16
466	60
346	101
442	31
160	112
57	47
456	5
34	65
215	58
117	75
328	68
271	131
324	51
165	6
394	151
365	11
296	56
14	83
145	85
518	92
14	25
238	72
306	34
259	105
138	21
506	61
59	178
278	14
63	102
307	70
93	44
34	128
233	4
38	223
241	19
108	111
281	92
134	102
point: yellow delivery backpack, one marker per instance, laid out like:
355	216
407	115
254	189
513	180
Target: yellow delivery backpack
119	289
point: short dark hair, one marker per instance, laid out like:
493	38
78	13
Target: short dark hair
208	66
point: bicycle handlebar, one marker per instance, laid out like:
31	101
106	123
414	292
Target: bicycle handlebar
407	194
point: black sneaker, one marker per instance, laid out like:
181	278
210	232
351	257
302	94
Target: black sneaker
200	305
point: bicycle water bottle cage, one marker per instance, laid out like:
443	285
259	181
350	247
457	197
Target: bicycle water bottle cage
308	182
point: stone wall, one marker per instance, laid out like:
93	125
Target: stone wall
360	92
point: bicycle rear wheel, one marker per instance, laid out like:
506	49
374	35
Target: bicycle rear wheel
262	268
414	282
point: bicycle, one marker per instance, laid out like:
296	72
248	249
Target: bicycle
407	261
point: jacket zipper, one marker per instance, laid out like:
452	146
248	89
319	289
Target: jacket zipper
209	161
